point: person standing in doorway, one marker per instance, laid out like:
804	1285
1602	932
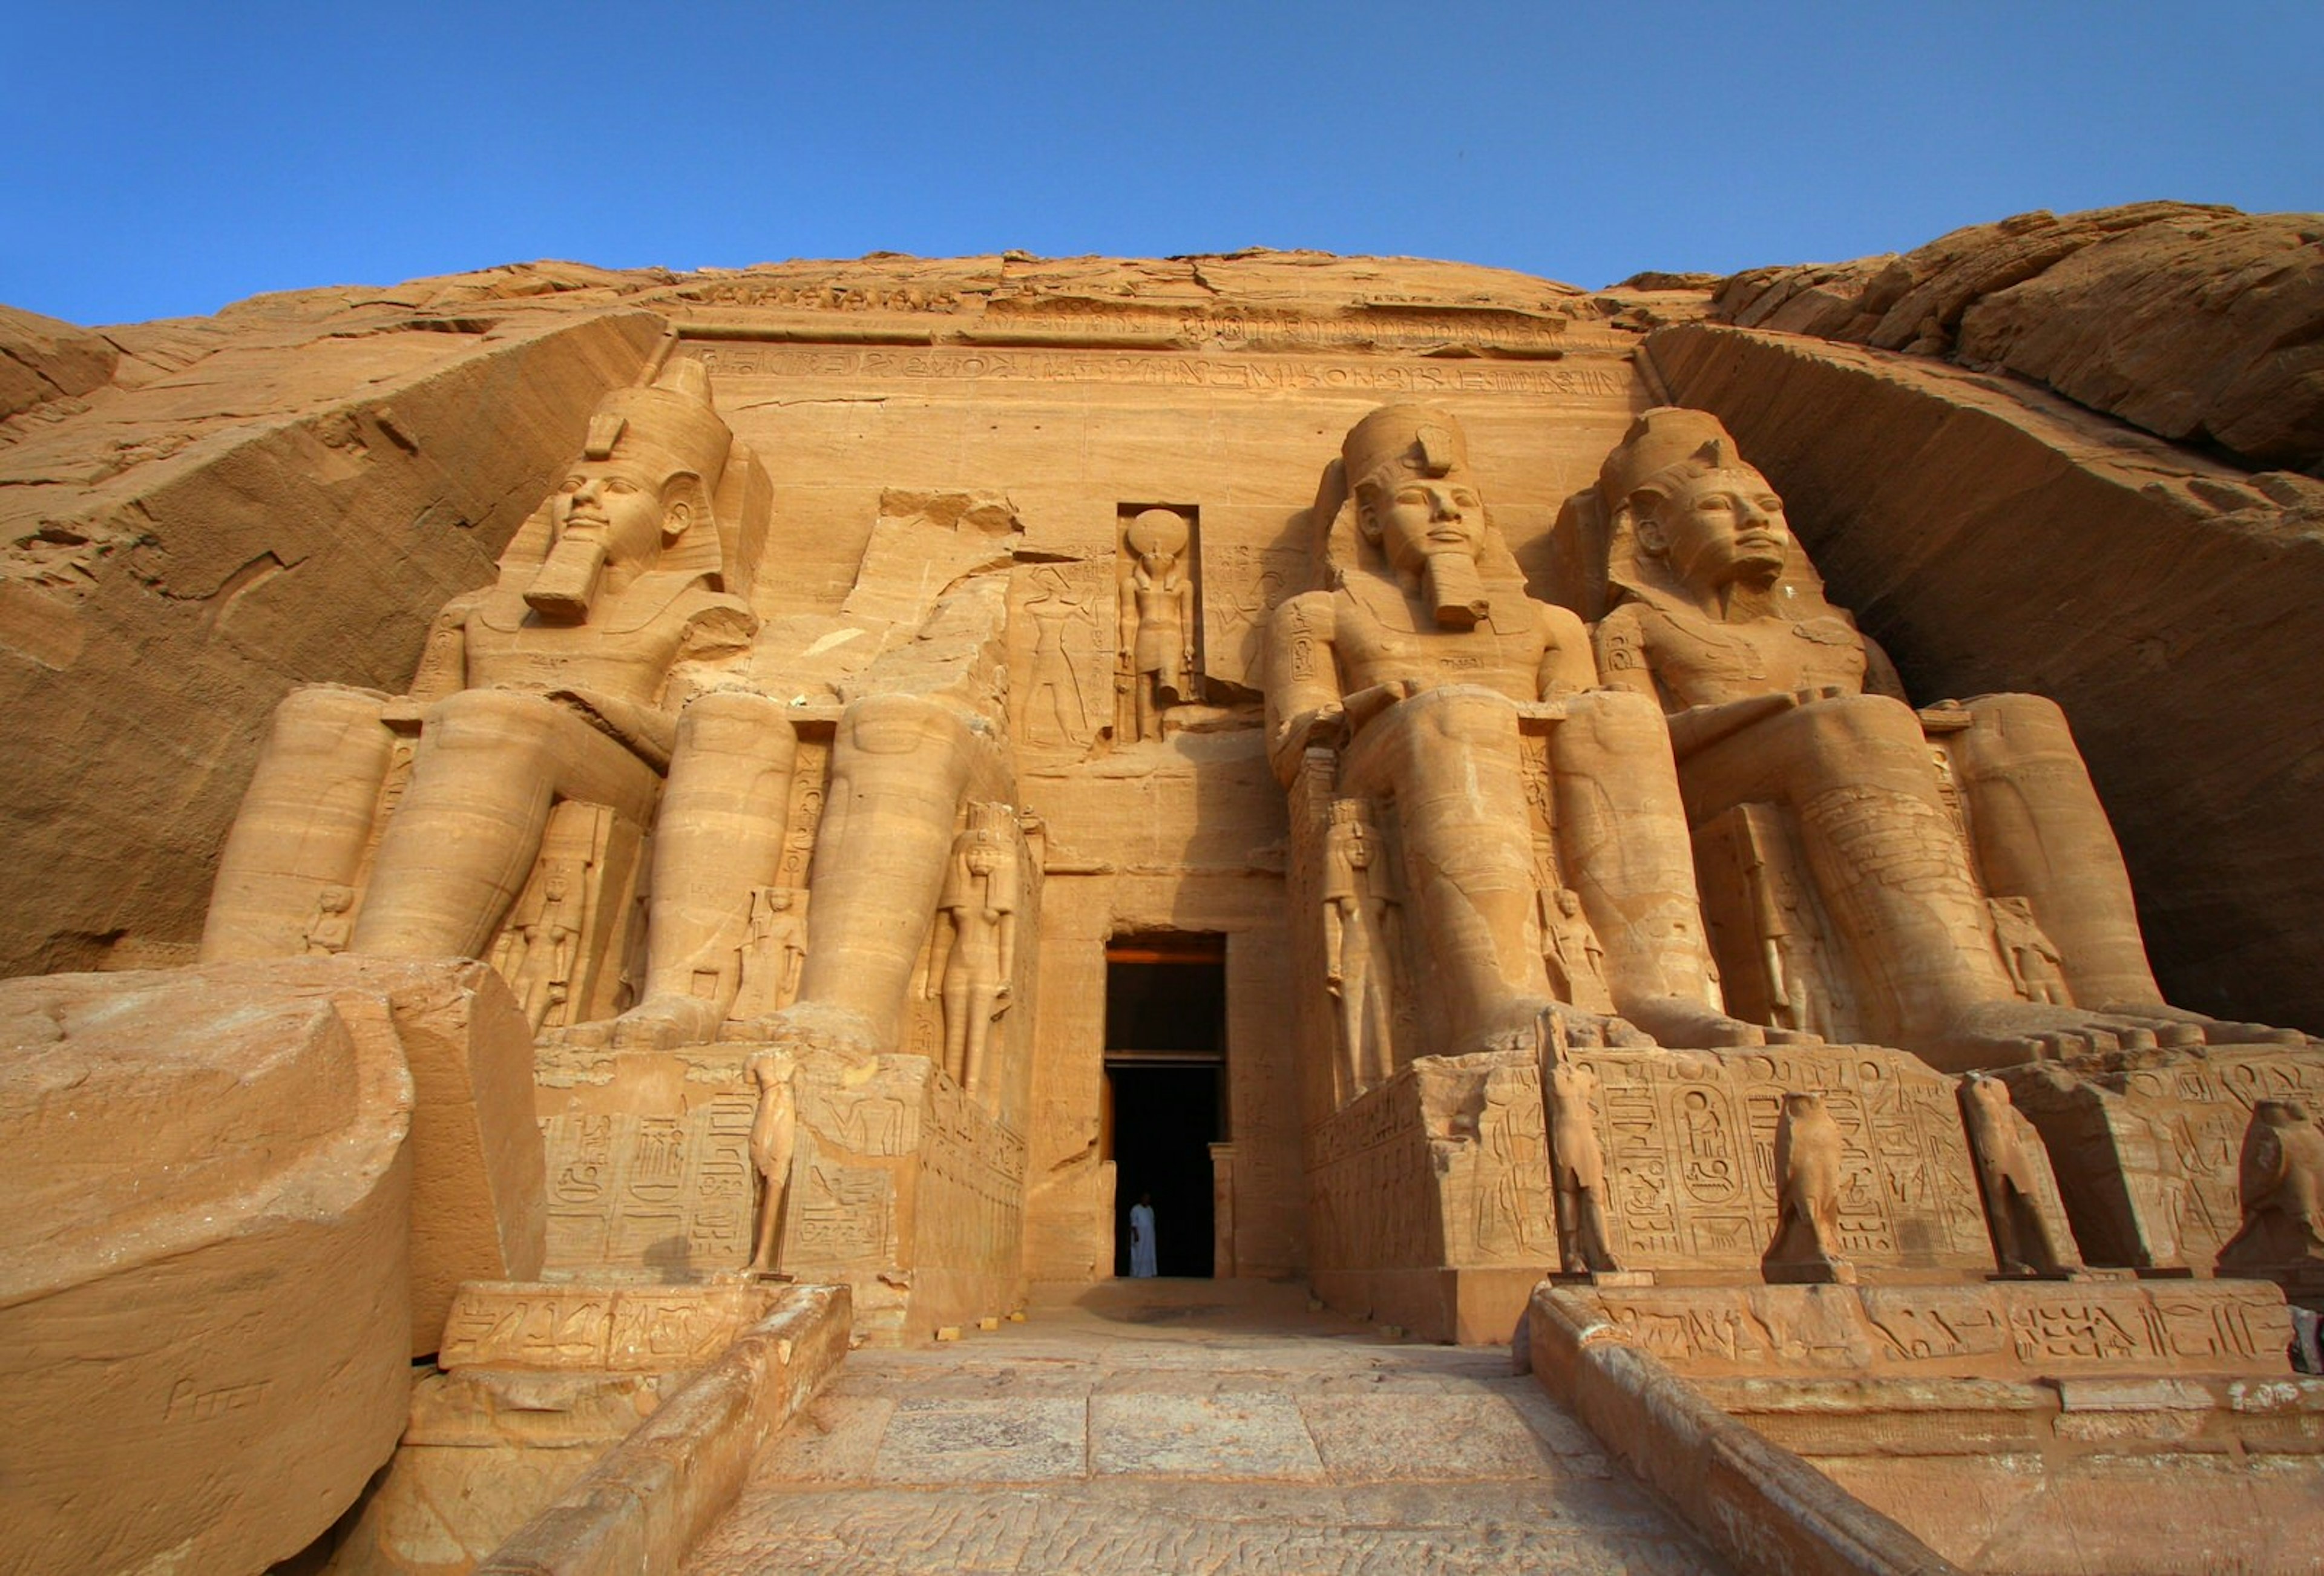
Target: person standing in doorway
1141	1237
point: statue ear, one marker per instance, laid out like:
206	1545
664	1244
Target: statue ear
1644	508
683	501
1369	495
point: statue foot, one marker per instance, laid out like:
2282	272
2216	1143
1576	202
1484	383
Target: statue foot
2000	1034
2209	1031
1693	1026
1585	1030
660	1022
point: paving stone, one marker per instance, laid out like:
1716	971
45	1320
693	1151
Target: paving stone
1244	1433
1217	1443
936	1439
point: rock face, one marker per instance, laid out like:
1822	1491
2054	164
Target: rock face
1993	540
205	1311
2199	324
1376	762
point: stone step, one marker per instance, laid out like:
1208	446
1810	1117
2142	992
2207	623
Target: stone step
1236	1441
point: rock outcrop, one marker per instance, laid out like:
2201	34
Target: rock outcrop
2199	324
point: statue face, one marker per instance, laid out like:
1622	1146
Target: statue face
1718	526
1417	518
613	502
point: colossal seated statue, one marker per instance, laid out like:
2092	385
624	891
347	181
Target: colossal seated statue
1467	714
548	685
1899	841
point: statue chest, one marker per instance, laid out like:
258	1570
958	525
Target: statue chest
1703	663
1374	648
534	655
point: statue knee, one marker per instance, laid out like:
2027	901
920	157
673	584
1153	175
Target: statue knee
734	722
326	709
2019	723
489	720
902	724
1855	732
1617	721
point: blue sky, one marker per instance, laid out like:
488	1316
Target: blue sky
164	160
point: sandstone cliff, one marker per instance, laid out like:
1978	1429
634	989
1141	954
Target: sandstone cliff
2056	453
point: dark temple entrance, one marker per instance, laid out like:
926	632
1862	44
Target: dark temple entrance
1166	1022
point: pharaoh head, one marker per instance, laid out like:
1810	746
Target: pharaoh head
1688	511
647	472
1158	536
1407	468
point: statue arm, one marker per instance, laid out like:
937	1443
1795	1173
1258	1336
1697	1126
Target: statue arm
1303	678
1880	675
1567	664
443	668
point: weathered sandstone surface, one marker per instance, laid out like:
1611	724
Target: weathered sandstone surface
2198	323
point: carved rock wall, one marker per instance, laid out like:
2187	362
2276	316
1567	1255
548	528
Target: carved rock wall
1995	538
2197	323
281	495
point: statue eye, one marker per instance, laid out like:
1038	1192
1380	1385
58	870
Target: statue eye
615	485
1465	499
1771	504
571	485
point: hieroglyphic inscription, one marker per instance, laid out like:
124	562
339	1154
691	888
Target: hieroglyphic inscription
2040	1328
1242	584
1690	1151
2147	1158
968	1203
671	1190
1490	1154
1372	1198
518	1324
1160	369
1061	637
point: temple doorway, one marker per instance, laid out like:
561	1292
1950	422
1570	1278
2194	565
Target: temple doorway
1166	1018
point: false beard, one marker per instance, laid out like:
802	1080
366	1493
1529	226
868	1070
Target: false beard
568	580
1456	591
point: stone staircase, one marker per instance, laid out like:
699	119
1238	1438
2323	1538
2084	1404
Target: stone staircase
1190	1427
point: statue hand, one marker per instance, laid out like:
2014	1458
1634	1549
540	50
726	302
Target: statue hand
1365	704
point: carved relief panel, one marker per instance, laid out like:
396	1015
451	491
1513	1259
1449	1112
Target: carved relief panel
1062	648
1158	619
1689	1149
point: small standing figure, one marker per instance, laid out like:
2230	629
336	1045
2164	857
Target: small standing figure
774	1133
1141	1237
543	973
333	924
1157	619
1358	945
1056	686
2009	1180
1572	953
2036	967
1577	1163
1808	1154
2282	1176
975	968
774	953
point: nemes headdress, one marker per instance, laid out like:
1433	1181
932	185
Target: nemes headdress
1411	440
667	428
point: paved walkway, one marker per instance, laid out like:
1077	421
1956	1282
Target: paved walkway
1175	1427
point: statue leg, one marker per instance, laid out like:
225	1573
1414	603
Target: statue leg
1449	757
1624	845
2042	833
1880	846
303	824
464	836
955	997
720	834
899	770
